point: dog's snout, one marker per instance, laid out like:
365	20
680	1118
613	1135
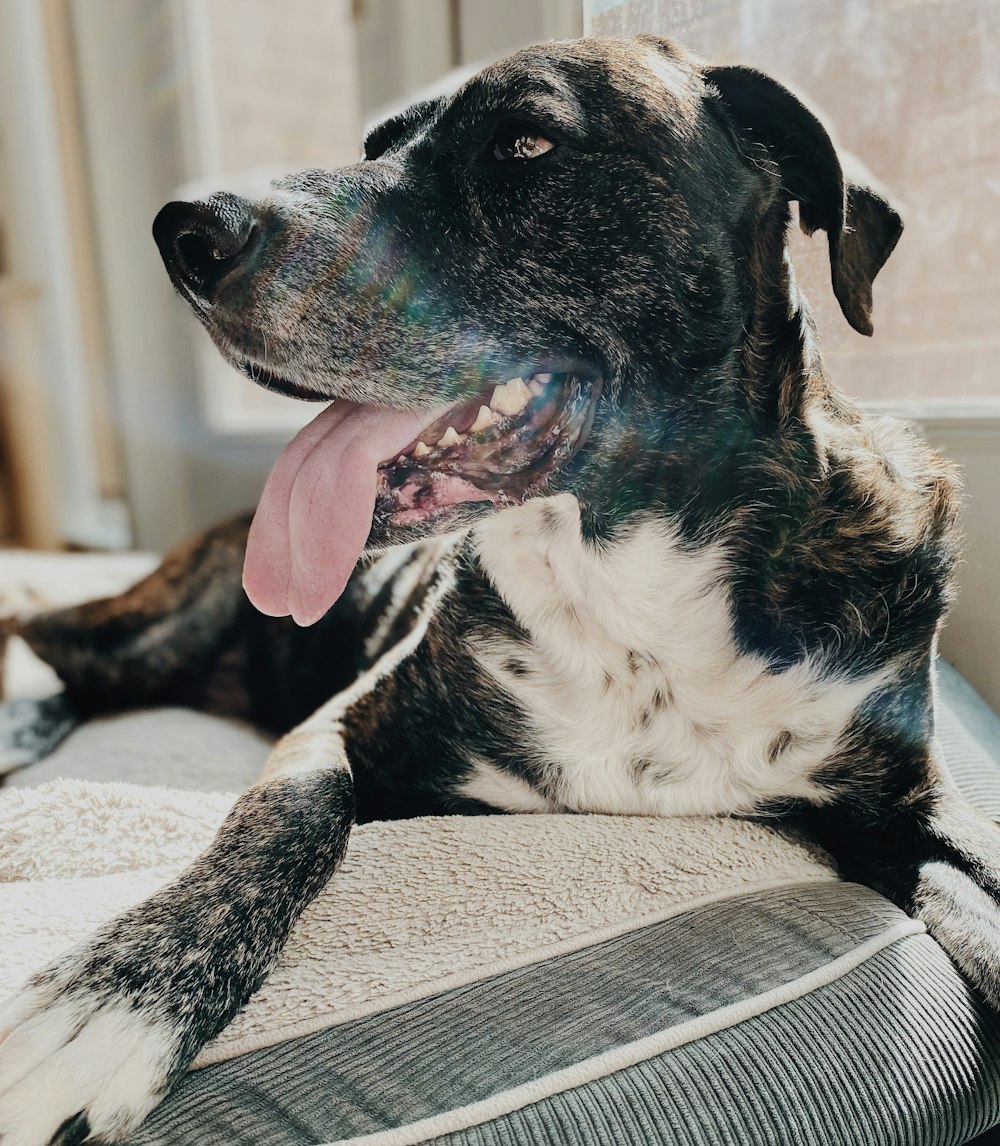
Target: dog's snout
201	242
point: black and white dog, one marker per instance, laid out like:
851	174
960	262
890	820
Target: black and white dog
635	552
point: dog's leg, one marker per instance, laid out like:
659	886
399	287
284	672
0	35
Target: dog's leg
137	648
92	1044
929	851
168	628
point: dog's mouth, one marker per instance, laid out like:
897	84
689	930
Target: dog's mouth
355	464
501	446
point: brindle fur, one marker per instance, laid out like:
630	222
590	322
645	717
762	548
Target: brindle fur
650	245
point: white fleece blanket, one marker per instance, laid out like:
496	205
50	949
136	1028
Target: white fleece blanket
419	906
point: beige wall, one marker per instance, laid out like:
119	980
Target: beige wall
406	45
285	81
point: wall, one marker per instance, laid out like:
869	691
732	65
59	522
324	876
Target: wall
407	45
46	207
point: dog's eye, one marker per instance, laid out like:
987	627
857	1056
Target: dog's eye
516	140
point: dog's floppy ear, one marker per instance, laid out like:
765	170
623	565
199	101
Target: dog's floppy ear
861	226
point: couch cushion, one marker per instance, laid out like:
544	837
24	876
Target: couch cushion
818	1014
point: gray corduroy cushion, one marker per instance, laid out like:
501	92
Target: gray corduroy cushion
895	1050
968	732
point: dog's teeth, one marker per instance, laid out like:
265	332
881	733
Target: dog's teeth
544	379
511	397
504	401
402	460
521	392
451	437
485	418
420	450
537	388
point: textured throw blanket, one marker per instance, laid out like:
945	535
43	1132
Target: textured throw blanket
419	907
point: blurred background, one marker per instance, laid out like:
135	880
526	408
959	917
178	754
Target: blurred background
121	428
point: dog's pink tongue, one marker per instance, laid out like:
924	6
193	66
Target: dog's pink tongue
316	510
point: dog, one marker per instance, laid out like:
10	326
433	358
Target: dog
586	527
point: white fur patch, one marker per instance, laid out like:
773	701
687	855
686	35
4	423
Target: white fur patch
77	1052
502	789
637	696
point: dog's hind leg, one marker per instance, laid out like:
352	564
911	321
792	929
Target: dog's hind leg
31	729
154	638
156	642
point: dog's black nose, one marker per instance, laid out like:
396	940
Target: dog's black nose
201	242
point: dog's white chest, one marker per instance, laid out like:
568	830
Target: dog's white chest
638	699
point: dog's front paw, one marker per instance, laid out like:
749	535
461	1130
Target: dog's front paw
79	1062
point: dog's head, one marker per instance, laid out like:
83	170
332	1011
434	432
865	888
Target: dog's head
569	272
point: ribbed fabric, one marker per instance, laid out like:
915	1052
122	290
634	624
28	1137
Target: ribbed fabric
414	1062
890	1055
968	732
